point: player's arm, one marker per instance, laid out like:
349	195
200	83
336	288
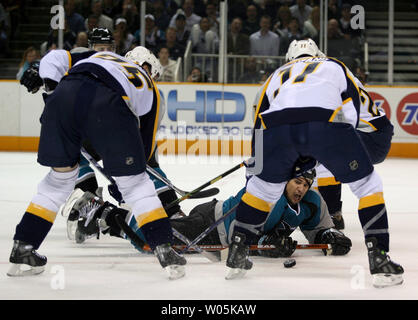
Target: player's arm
50	70
319	228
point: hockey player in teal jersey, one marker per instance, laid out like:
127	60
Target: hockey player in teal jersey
299	207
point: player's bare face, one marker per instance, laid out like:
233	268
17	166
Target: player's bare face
296	190
103	47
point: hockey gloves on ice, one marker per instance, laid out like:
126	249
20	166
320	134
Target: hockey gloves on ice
31	78
340	244
285	246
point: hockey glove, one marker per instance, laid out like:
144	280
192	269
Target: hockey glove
340	244
285	246
31	78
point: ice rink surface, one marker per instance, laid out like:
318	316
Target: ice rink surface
110	268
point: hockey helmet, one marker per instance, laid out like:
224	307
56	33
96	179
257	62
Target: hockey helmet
141	55
303	48
305	167
101	36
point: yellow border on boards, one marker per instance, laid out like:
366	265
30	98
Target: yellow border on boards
197	147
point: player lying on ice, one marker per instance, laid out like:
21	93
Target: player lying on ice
298	207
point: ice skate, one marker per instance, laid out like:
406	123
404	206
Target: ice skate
88	222
25	260
171	261
238	261
384	271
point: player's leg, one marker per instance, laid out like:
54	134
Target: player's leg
350	163
262	192
59	149
126	163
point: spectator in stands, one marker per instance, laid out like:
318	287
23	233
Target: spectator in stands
251	23
196	75
162	19
182	35
264	42
361	74
169	66
4	49
345	22
311	27
92	22
176	50
283	19
333	11
238	42
250	75
301	11
131	15
153	36
111	8
127	39
191	17
213	16
171	7
294	31
269	8
82	40
75	20
238	8
11	8
334	32
203	39
119	43
103	21
29	56
68	41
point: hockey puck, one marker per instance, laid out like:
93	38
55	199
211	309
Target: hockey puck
289	263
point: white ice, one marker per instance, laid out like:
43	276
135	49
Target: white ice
110	268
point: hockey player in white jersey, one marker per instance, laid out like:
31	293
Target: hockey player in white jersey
101	99
376	131
310	107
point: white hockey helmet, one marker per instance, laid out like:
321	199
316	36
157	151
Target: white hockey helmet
303	47
140	55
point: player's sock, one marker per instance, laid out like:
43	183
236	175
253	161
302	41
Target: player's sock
251	213
374	220
41	212
86	179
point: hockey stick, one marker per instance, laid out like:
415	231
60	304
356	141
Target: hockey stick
203	186
126	228
202	194
215	247
212	256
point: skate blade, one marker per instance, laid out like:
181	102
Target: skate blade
22	270
383	280
71	200
235	273
71	229
175	272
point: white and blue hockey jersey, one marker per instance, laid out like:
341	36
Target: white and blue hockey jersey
309	89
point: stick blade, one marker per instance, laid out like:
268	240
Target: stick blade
205	193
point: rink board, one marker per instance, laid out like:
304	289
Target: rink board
208	119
